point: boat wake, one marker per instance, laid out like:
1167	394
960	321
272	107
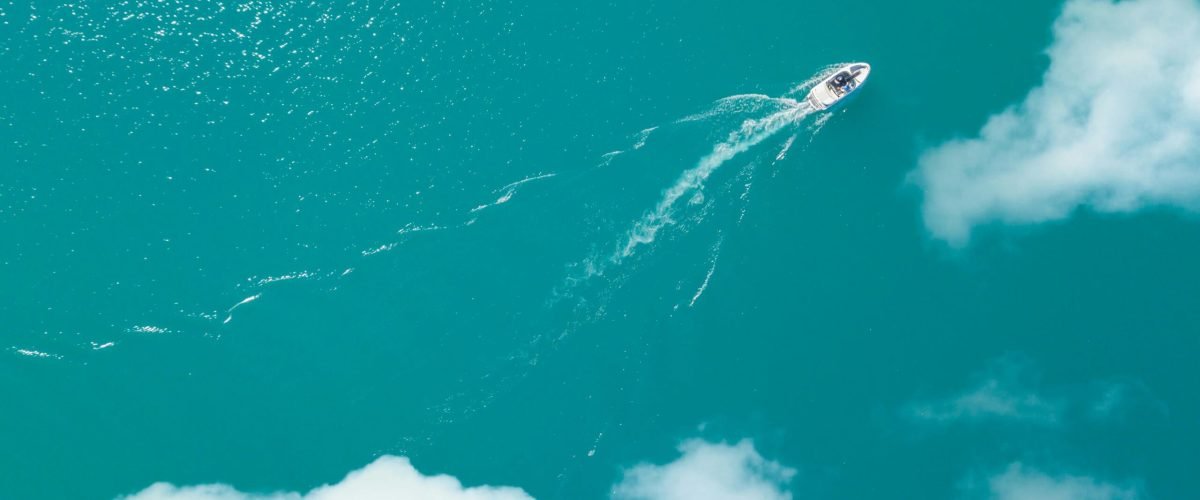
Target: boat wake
685	204
691	181
699	201
592	283
741	103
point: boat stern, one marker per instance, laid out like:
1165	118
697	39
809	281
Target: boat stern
821	97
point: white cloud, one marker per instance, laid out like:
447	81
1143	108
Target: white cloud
1019	482
389	477
713	471
991	400
1004	392
1114	126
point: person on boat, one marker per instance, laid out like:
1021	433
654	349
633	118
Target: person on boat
842	81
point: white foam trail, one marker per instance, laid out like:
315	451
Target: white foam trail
412	228
704	285
244	301
381	248
247	300
639	140
712	267
595	444
606	159
750	134
149	329
36	354
817	125
509	190
286	277
786	146
483	206
741	103
408	228
643	136
745	196
523	181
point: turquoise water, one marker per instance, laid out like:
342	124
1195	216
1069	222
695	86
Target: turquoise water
262	244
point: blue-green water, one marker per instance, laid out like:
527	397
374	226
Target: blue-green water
265	243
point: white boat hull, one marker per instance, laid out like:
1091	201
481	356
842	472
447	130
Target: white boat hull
839	86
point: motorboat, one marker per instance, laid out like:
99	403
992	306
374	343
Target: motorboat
839	86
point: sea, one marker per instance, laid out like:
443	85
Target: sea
548	245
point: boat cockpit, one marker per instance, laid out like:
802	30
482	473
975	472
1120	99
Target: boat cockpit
845	81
